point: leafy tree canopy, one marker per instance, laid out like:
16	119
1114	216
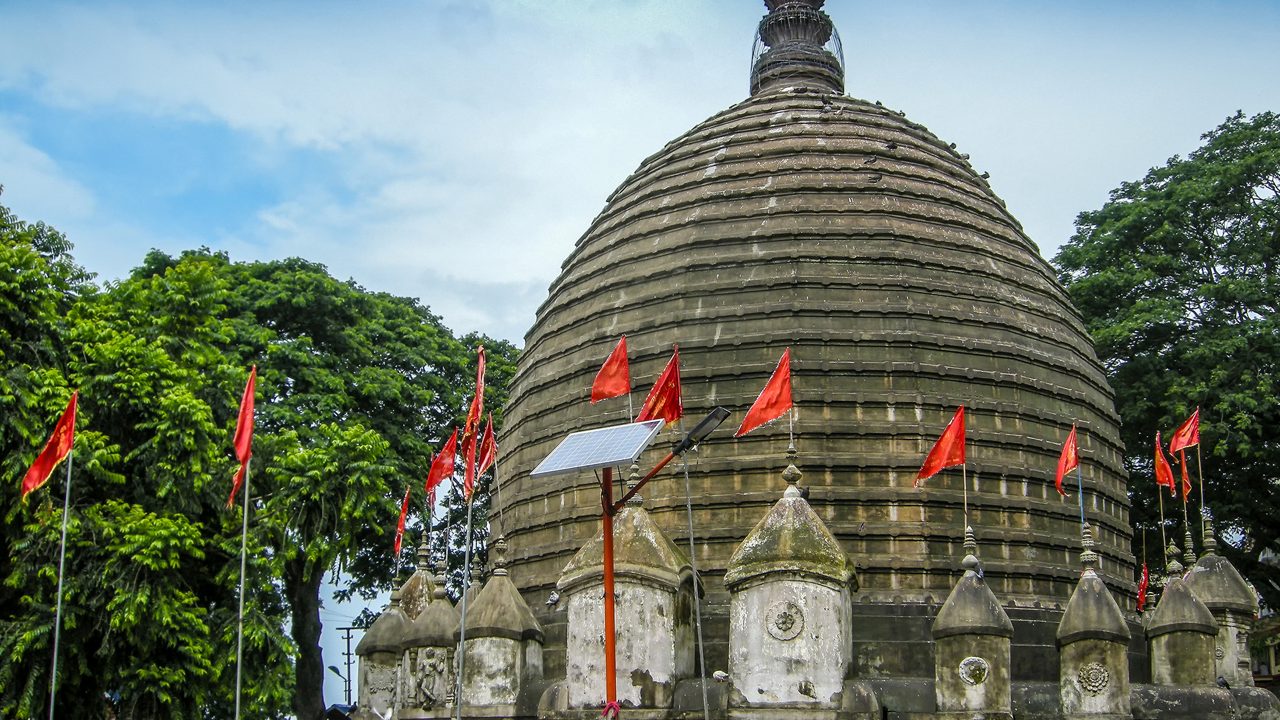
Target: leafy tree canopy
1178	279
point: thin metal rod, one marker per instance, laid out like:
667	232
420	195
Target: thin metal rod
244	537
791	426
622	502
610	661
964	470
1080	484
462	626
57	615
1204	509
1164	541
697	601
631	414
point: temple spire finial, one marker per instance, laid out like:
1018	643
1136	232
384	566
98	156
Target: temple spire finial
1088	558
792	473
797	45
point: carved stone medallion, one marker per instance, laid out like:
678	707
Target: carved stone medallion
1093	678
784	620
1218	653
974	670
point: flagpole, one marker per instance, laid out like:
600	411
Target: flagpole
1080	483
1204	510
462	626
57	615
1164	541
693	563
964	475
244	537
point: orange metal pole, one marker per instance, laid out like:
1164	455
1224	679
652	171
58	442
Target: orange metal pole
610	662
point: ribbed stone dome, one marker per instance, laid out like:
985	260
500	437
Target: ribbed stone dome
803	218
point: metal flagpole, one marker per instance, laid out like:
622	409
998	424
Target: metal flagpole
1080	483
244	536
964	470
1164	541
462	627
57	615
1204	509
697	602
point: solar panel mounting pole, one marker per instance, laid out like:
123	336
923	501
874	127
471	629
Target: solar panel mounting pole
610	658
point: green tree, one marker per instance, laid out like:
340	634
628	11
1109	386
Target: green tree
1178	280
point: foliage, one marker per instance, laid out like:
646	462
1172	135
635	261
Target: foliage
355	390
1178	279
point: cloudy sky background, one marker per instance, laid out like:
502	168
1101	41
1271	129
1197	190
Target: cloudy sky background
454	151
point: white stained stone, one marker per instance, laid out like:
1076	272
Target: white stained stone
649	636
493	670
379	674
769	661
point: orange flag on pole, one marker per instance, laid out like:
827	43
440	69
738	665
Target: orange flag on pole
663	400
404	512
1068	460
614	378
1187	434
443	464
243	441
1164	473
488	448
55	449
774	400
948	451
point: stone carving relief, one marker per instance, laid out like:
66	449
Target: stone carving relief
1218	652
784	620
1093	677
431	675
974	670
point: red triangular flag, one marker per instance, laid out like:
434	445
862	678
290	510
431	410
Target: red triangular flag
488	448
404	512
774	400
443	464
431	489
948	451
663	400
1164	473
614	378
1068	460
243	441
477	399
55	449
1142	587
1187	434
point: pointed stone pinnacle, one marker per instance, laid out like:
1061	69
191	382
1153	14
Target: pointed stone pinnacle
1088	558
1210	542
792	474
633	479
424	552
1190	555
1172	567
970	561
500	556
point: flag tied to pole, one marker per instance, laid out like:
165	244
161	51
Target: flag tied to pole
443	465
774	400
488	448
1142	587
663	400
472	427
243	441
948	451
55	449
404	512
1187	434
1164	473
1186	480
1068	460
614	378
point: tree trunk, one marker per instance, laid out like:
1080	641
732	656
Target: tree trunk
302	585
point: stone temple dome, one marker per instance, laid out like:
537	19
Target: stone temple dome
808	219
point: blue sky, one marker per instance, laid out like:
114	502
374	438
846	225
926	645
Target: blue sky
454	151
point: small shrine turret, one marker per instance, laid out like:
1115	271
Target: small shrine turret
379	660
1216	583
1181	633
1093	645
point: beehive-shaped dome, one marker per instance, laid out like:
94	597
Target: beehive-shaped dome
807	219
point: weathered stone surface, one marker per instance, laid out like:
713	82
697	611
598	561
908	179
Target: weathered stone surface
856	237
1216	583
379	657
427	667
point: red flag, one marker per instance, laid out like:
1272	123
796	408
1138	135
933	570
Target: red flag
469	475
774	399
948	451
614	378
663	400
443	464
1142	587
1069	459
477	399
1164	473
488	448
1186	481
404	512
1187	434
55	450
431	489
243	441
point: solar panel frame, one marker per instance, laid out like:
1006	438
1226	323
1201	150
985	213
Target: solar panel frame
599	448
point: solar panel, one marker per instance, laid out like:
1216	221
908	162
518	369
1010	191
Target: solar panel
602	447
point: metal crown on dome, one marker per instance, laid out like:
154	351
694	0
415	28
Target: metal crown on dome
797	45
